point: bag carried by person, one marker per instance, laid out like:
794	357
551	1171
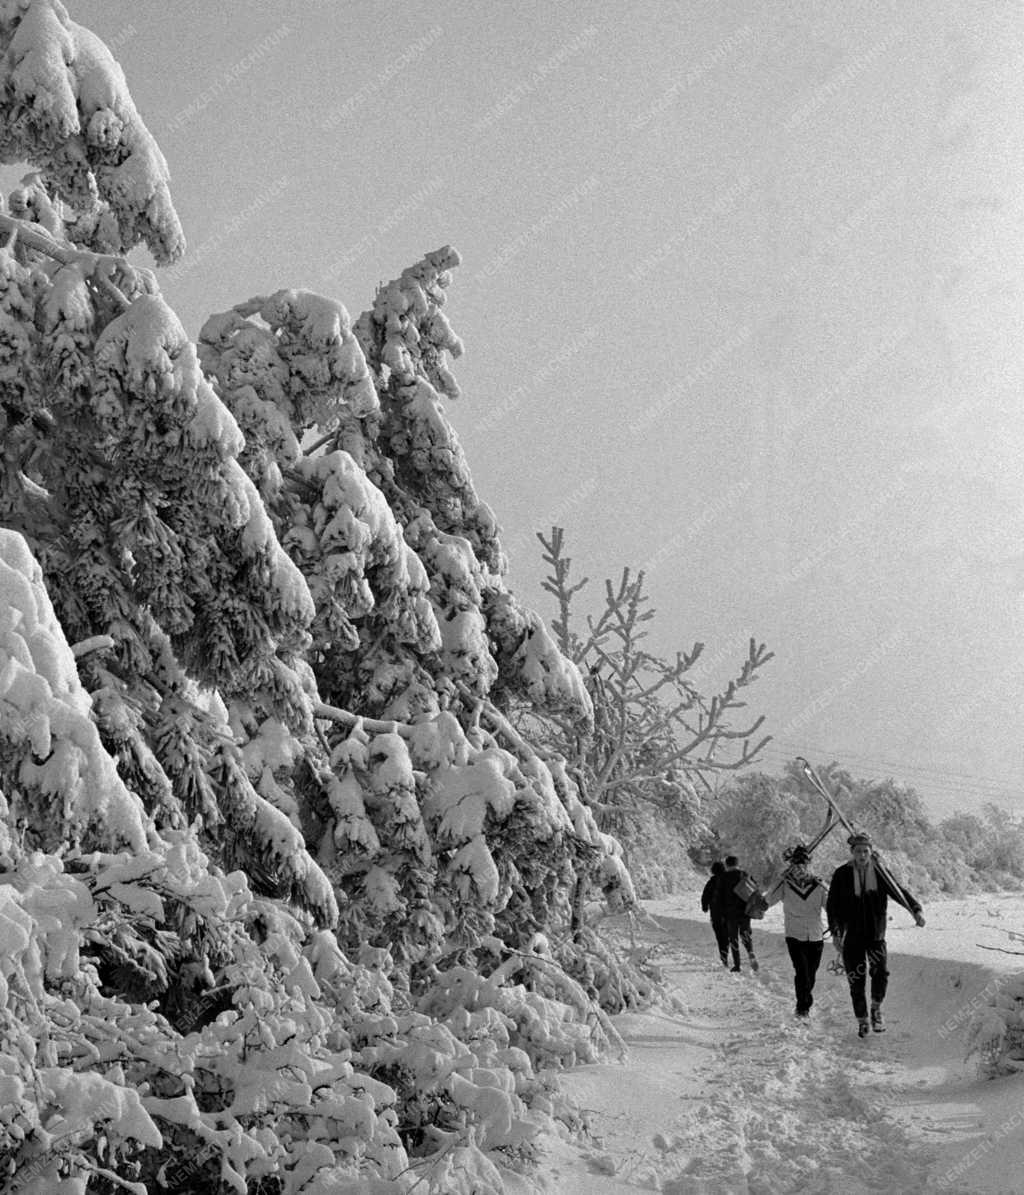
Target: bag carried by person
752	896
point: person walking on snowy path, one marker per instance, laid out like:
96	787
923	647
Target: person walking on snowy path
711	902
803	900
858	897
734	908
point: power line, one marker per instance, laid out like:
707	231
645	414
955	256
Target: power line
934	781
936	795
856	760
938	773
948	784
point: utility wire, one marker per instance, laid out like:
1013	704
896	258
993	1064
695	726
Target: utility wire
945	774
941	803
926	784
939	774
932	781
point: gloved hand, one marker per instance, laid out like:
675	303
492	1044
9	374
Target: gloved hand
919	919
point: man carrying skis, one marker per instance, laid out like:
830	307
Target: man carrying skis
856	909
734	907
803	899
711	902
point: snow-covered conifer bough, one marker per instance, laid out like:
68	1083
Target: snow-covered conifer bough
285	899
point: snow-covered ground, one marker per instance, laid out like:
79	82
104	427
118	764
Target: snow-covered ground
728	1093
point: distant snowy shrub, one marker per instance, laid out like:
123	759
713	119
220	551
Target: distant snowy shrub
757	816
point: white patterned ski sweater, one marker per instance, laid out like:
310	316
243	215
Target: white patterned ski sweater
802	906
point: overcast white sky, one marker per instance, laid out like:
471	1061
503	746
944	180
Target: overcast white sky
741	299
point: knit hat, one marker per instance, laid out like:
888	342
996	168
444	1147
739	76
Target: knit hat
859	839
798	854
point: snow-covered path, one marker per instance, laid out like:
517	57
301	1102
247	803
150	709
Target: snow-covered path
728	1093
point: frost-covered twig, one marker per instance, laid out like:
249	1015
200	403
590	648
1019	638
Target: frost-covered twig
1012	934
558	585
642	703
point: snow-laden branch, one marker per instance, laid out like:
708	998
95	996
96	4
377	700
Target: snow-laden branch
93	643
574	995
372	725
500	723
98	266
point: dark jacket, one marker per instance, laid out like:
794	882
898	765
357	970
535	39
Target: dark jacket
711	898
706	895
732	907
863	917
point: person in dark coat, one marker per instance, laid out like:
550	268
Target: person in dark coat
856	908
710	902
803	899
734	908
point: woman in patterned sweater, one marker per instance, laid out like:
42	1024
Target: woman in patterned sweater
803	898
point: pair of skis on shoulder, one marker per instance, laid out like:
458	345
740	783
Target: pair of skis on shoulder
834	816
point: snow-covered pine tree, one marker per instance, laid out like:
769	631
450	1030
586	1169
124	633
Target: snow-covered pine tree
441	825
114	921
120	464
362	720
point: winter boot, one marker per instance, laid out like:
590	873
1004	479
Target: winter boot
862	1027
877	1024
735	967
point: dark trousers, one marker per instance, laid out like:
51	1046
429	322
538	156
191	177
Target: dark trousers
737	929
863	957
721	937
805	956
